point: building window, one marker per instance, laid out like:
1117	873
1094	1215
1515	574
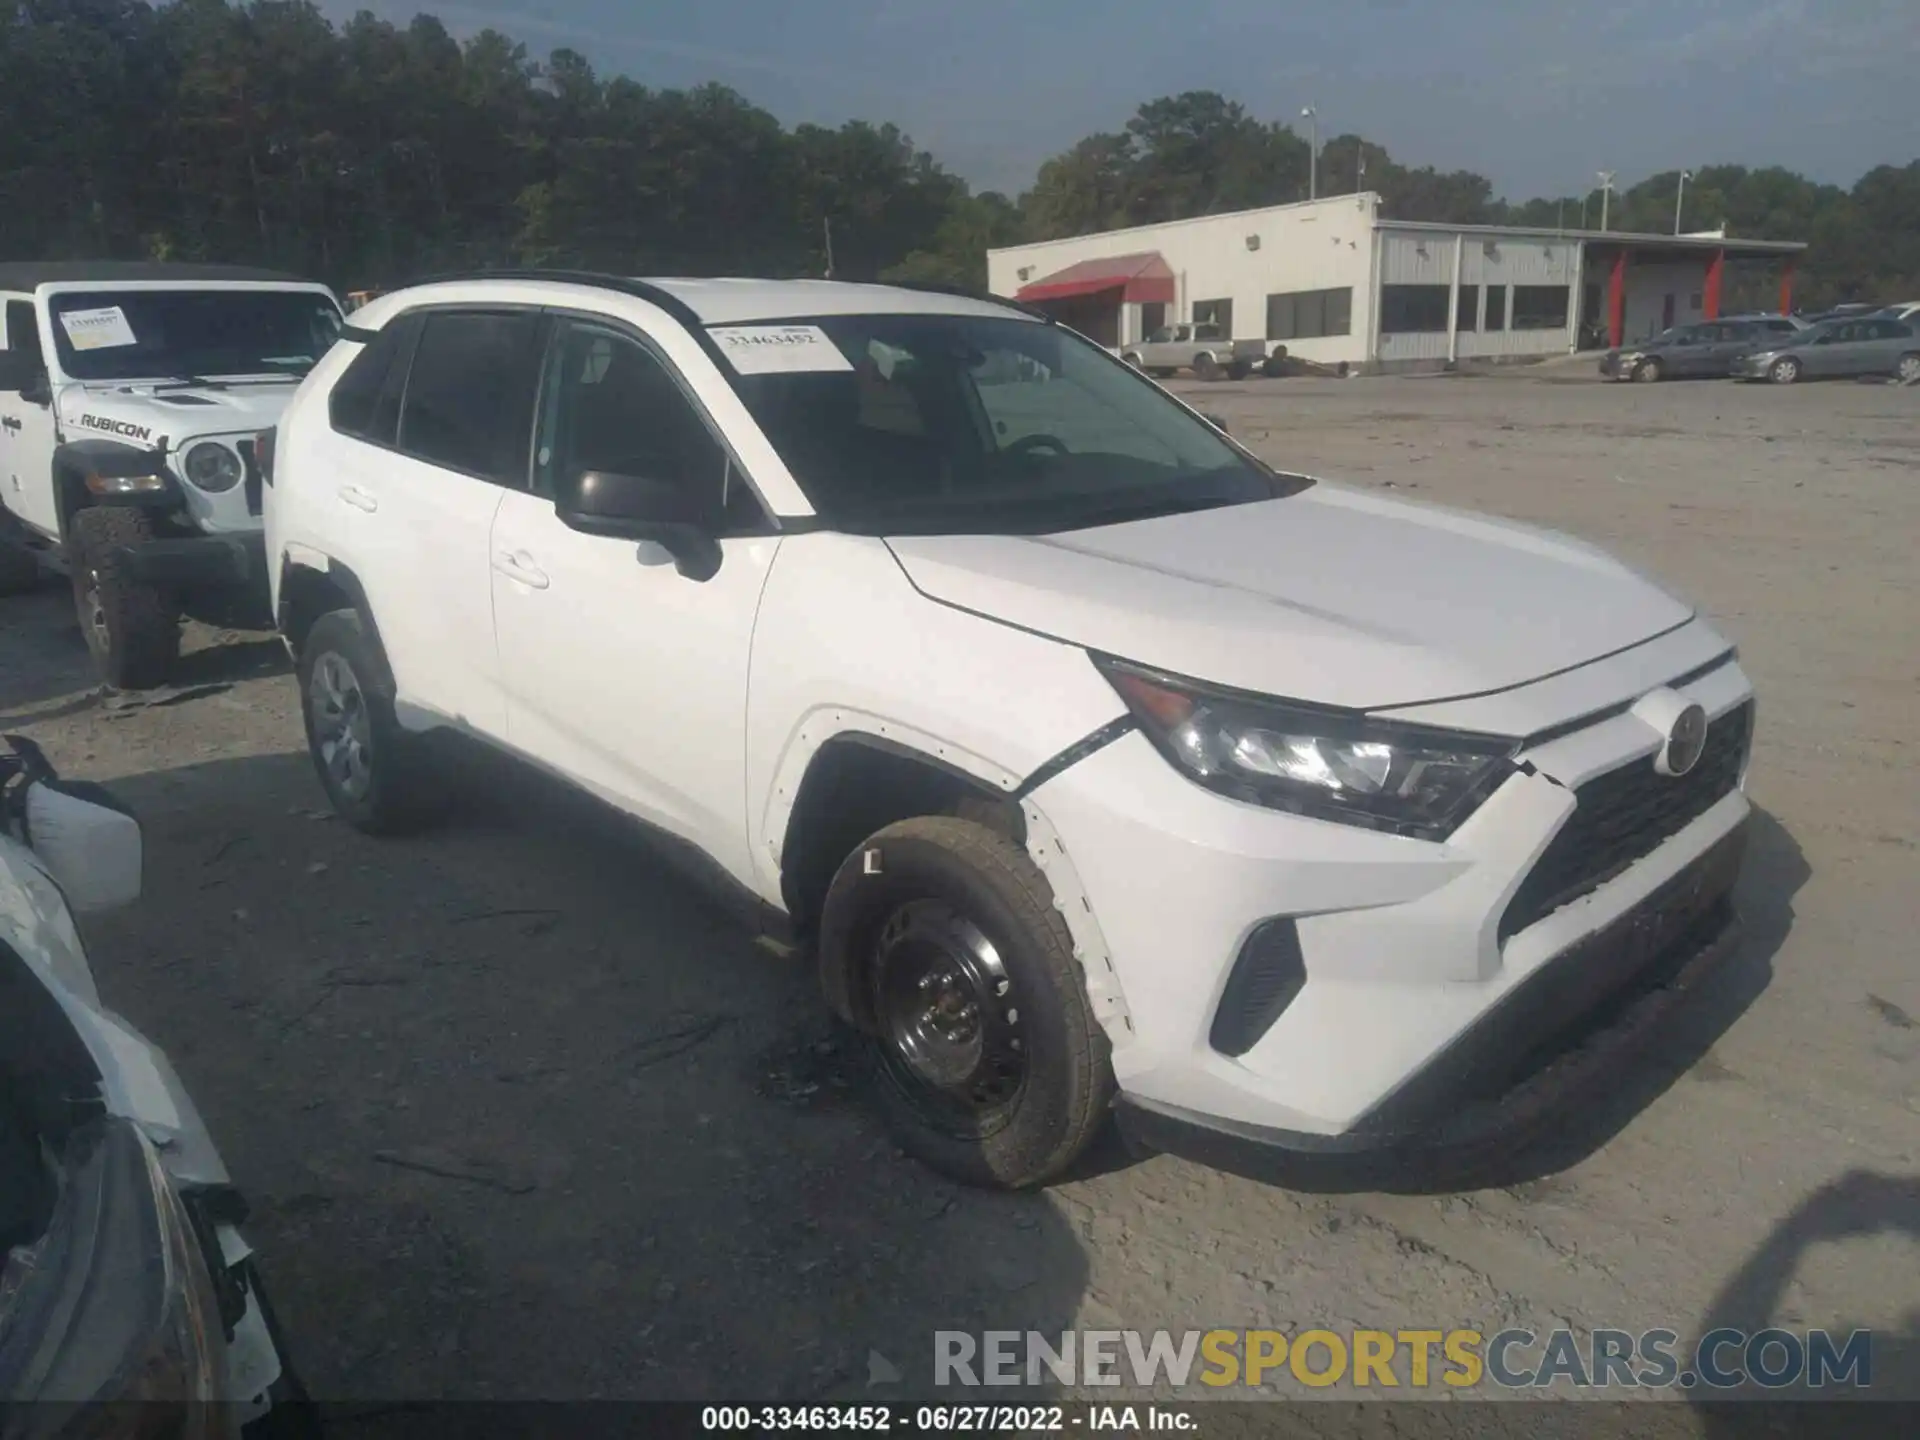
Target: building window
1466	315
1218	313
1414	309
1496	308
1539	307
1310	314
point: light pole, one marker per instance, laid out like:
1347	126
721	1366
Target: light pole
1312	117
1679	198
1606	194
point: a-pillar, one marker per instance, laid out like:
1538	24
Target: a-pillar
1786	286
1617	300
1711	301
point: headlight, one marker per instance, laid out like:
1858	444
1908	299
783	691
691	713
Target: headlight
212	467
114	1315
1329	764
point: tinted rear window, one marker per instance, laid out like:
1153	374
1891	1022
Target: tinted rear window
469	403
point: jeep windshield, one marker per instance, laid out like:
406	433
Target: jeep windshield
191	334
959	424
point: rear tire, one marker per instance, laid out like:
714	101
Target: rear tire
1784	371
1205	367
375	773
131	628
989	1065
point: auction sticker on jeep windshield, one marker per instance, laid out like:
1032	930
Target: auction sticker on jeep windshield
103	329
778	349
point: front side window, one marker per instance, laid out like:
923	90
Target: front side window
23	333
610	404
365	401
469	397
191	334
955	424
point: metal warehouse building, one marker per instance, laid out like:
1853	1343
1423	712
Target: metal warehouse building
1335	280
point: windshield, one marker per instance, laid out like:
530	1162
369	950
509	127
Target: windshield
959	424
182	334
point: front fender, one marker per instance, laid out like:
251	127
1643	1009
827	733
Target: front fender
94	471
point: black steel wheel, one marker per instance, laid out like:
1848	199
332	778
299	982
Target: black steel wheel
988	1063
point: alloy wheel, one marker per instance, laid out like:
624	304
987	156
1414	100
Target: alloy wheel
342	730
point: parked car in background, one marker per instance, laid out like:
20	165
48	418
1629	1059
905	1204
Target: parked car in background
1904	310
129	1302
1204	349
1851	310
1691	351
1837	349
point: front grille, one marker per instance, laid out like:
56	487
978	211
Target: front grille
1620	816
251	461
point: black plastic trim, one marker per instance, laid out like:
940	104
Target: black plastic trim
1075	753
1607	712
356	334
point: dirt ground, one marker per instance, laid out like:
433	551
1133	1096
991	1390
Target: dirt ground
520	1116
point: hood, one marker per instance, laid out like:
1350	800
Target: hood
1331	595
142	414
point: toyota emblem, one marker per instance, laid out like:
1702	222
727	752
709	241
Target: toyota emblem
1686	738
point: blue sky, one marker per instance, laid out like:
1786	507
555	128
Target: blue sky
1535	94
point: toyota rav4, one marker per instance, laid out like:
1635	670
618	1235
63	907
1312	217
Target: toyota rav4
1099	765
130	395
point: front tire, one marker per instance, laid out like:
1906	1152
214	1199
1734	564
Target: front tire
1205	367
373	771
1784	371
989	1065
1907	371
131	628
1649	372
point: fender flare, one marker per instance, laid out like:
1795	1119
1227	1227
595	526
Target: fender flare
826	724
77	461
339	576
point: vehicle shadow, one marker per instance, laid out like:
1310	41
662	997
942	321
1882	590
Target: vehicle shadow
1774	871
522	1116
1860	1205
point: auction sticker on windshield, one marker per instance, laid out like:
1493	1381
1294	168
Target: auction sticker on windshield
103	329
778	349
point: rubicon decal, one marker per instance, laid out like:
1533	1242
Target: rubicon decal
115	427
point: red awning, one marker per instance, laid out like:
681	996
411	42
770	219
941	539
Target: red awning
1142	278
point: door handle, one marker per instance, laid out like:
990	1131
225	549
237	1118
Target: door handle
518	565
358	498
8	422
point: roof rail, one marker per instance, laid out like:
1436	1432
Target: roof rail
966	292
625	285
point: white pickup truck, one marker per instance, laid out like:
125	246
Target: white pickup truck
1203	349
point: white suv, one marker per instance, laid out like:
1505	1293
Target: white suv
1102	766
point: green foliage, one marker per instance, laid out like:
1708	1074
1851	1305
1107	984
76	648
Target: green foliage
371	152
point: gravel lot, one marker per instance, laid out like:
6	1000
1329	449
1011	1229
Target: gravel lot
520	1115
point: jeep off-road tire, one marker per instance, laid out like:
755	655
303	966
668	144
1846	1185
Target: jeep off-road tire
946	928
131	628
377	776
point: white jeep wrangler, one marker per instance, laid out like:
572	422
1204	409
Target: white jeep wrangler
1102	766
130	398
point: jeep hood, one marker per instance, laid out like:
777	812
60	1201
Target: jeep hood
1330	595
175	414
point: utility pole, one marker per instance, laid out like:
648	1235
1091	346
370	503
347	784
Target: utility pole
1312	117
1360	168
826	229
1606	194
1679	198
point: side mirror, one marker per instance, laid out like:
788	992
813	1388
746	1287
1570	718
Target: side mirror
89	842
38	390
633	507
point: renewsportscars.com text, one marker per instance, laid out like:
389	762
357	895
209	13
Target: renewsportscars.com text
1406	1359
